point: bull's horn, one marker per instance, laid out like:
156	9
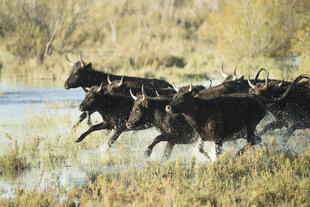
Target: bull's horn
133	96
266	80
222	72
143	94
69	61
210	83
258	73
100	87
281	83
121	81
251	84
235	75
190	87
109	81
87	89
82	61
157	94
175	88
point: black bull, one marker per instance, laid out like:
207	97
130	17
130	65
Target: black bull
222	118
114	110
83	75
292	112
173	127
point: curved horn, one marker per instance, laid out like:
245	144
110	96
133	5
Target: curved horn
235	75
190	87
157	94
133	96
210	83
266	80
109	81
251	84
222	71
175	88
69	61
143	94
100	87
83	63
258	73
87	89
121	81
300	77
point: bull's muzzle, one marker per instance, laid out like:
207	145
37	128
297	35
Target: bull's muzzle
168	109
128	125
66	86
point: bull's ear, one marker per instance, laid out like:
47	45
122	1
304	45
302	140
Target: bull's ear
194	92
145	103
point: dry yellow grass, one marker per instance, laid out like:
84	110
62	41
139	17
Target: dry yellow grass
261	177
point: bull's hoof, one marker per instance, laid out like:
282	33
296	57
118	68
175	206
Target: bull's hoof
89	123
147	152
110	143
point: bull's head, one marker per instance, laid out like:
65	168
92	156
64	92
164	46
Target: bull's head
182	100
92	100
139	112
115	86
260	89
77	75
229	77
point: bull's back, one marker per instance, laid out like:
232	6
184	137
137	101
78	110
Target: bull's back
227	115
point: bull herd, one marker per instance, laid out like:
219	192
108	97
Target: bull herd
228	111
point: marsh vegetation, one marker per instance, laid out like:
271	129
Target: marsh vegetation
265	175
175	40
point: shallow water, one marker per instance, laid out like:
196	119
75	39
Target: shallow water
18	100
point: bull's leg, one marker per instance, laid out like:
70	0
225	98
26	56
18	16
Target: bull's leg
88	118
270	126
117	133
84	115
250	138
81	118
291	128
159	138
202	151
90	130
218	148
168	150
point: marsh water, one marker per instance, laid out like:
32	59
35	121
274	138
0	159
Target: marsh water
19	100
